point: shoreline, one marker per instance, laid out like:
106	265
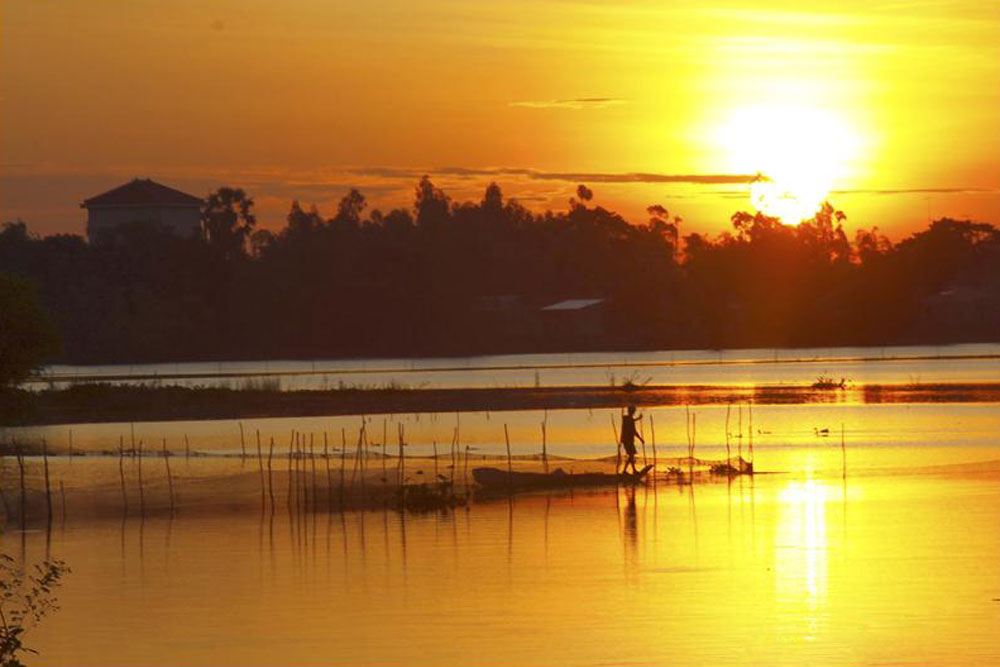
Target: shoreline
102	403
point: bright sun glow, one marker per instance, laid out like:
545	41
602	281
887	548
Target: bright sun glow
801	153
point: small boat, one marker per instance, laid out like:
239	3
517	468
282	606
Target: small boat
498	479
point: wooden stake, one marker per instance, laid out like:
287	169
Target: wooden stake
510	470
545	451
48	488
652	433
312	464
642	439
3	495
329	474
618	444
243	444
739	437
121	471
402	457
385	451
343	462
24	491
187	447
465	470
270	478
142	493
260	469
694	431
729	453
454	453
291	444
170	477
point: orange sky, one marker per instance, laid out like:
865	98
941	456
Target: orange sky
892	106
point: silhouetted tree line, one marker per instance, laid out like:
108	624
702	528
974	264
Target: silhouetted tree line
471	277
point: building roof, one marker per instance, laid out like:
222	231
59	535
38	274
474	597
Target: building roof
142	192
573	304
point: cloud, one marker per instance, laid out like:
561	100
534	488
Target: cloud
572	103
567	176
919	191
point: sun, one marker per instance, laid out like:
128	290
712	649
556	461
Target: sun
801	155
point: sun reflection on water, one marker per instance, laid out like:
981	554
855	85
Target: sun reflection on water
801	552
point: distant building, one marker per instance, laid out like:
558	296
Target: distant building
575	321
143	201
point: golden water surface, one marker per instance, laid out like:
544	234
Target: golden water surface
784	568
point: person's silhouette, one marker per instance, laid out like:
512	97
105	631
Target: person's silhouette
628	436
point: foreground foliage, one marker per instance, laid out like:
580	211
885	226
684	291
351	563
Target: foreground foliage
25	599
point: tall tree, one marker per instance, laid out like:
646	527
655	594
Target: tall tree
227	220
27	337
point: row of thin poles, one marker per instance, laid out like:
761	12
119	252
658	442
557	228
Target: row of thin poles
302	493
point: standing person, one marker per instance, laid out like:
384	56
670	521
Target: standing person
629	434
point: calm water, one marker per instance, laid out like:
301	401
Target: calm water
883	550
949	363
787	569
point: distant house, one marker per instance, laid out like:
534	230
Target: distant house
575	321
144	201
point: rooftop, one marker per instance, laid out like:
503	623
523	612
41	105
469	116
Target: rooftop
573	304
142	192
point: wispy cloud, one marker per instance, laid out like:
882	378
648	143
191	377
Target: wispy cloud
919	191
572	103
568	176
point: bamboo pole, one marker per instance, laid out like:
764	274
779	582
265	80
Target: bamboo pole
465	469
170	477
62	499
729	453
270	478
545	451
618	444
121	471
402	457
48	487
187	448
357	455
435	445
343	462
362	439
260	469
312	464
329	473
739	437
652	434
454	453
24	491
642	439
291	444
300	469
750	413
510	469
243	444
694	436
142	493
3	495
385	444
71	445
